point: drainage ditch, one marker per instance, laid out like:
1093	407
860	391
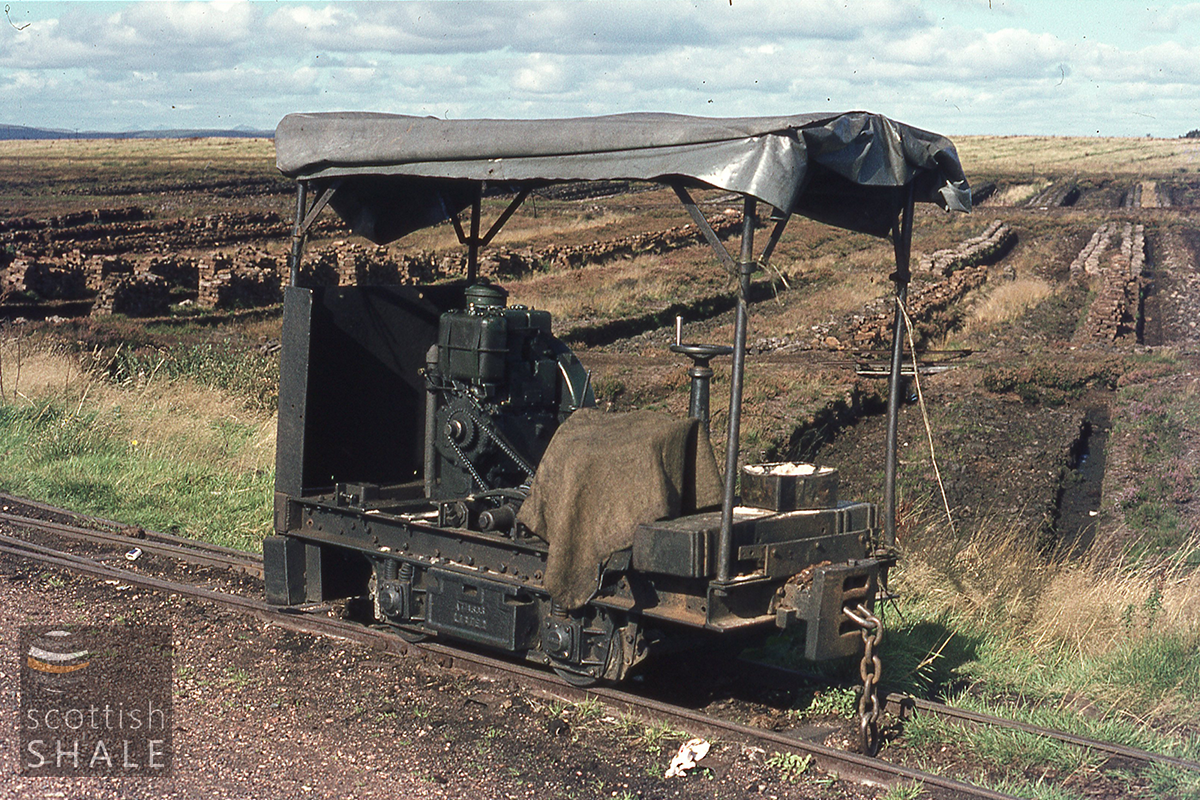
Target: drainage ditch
807	440
1077	505
1150	306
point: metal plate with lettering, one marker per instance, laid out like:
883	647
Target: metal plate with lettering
481	611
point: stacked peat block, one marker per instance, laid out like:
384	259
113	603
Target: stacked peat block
928	299
506	263
378	267
138	290
1114	312
320	269
176	270
942	279
97	215
21	224
246	279
986	248
351	263
420	268
655	242
97	268
125	214
14	277
136	294
209	270
49	279
1088	260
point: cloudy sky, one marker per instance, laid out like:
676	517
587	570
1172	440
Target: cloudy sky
1079	67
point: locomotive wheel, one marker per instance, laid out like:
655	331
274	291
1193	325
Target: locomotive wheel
574	678
410	635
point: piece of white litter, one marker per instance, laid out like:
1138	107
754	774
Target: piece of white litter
134	554
786	468
689	753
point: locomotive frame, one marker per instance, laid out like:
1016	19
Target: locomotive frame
412	420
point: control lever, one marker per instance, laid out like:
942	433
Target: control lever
700	372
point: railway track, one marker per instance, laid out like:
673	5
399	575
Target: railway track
906	706
873	771
81	527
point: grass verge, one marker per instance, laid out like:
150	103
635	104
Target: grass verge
1107	649
166	454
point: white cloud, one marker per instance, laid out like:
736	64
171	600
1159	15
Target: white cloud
543	74
939	63
1171	18
196	24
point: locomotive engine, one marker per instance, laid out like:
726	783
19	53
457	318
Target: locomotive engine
499	384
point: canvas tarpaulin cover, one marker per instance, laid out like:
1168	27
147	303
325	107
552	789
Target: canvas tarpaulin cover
603	475
401	173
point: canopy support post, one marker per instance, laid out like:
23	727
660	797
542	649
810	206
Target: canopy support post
298	233
473	239
319	205
773	240
902	244
305	217
746	267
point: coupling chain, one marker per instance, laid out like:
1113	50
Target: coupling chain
869	710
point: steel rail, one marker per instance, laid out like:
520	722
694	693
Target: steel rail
905	703
844	764
827	758
859	767
125	531
184	549
899	704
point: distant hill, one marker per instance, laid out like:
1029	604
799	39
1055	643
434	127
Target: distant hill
23	132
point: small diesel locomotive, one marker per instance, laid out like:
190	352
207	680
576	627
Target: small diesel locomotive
439	450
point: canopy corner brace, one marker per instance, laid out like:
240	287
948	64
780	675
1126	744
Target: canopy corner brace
474	241
305	218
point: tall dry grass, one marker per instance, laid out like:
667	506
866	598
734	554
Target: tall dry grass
1094	603
168	418
1119	634
1006	302
1017	194
164	453
998	575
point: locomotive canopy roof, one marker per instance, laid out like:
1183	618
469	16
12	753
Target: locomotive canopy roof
396	174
